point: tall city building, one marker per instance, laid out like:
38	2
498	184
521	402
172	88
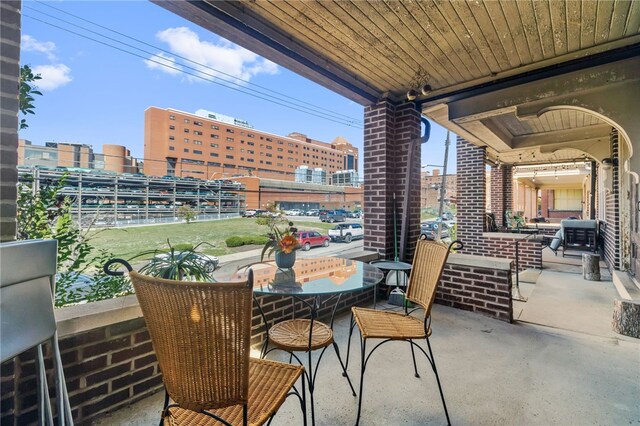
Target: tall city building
206	143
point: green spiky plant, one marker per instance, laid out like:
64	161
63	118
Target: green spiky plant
181	262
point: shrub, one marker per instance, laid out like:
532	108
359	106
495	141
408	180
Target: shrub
237	241
182	247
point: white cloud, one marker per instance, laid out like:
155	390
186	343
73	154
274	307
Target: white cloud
164	63
30	44
225	56
53	76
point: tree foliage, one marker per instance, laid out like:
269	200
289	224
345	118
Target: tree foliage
27	91
187	213
44	213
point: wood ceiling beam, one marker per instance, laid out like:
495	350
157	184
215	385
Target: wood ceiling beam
576	135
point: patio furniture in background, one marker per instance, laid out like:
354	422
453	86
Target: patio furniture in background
579	235
201	334
428	263
27	286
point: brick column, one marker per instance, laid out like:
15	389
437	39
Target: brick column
471	198
9	74
501	192
612	209
388	131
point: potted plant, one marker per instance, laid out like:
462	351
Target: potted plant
284	244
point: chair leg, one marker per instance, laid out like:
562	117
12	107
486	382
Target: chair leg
435	370
344	369
413	355
304	401
164	406
363	347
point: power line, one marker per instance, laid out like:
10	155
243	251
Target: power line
334	117
183	58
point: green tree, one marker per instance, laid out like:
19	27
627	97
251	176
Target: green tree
187	213
44	213
27	90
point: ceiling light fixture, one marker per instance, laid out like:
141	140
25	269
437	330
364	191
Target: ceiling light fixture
412	94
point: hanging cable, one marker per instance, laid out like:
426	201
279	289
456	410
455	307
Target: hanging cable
299	103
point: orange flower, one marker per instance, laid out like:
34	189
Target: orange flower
288	243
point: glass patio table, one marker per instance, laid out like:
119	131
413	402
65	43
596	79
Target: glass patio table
316	282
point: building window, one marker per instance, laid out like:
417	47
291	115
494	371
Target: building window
186	150
215	136
172	148
229	148
280	164
269	162
197	132
195	151
186	140
186	130
213	154
213	163
280	150
214	127
280	157
172	138
172	127
214	145
251	135
269	140
280	142
250	151
186	120
230	157
230	130
172	117
197	123
250	160
290	151
251	143
269	155
229	139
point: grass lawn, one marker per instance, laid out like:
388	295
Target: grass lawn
127	242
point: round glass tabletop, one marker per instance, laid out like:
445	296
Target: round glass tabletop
311	277
392	265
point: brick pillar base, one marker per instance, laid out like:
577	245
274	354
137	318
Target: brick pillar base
389	129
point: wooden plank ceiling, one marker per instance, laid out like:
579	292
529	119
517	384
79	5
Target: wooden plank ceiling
387	47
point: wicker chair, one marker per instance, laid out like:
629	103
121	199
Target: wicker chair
201	335
428	263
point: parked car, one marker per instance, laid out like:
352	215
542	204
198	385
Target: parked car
310	239
312	212
249	213
346	232
355	214
331	216
293	212
430	230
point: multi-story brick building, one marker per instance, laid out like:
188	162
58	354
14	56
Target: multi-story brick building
430	184
200	145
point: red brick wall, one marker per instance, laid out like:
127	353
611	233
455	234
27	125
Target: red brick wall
388	131
482	290
471	194
471	161
105	368
501	192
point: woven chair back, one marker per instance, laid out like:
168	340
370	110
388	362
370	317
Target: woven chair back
201	335
428	263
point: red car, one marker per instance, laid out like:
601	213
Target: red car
310	239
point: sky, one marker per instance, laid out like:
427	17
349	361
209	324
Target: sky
96	94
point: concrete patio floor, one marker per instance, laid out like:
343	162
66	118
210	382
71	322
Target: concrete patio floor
493	373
